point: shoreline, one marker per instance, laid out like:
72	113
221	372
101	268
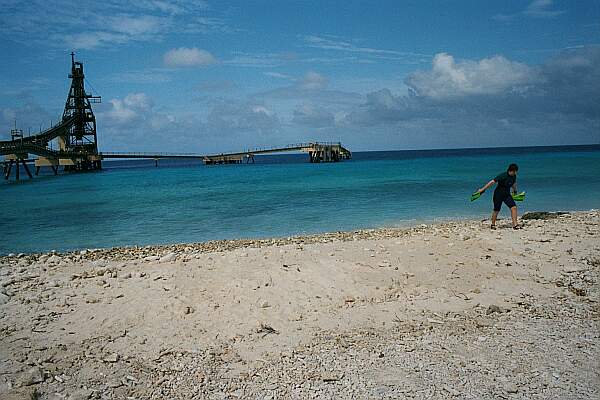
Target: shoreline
444	310
136	251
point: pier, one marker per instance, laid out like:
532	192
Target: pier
77	145
317	152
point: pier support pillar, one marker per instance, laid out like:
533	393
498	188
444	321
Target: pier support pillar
7	169
27	169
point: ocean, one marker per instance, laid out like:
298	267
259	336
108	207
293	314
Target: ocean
134	203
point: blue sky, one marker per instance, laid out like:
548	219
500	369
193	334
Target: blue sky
207	76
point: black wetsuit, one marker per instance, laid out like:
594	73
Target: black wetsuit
502	193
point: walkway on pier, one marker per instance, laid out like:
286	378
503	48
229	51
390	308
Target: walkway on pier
318	152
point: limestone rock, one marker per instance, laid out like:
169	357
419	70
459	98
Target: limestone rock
170	257
81	394
493	309
33	376
511	387
111	358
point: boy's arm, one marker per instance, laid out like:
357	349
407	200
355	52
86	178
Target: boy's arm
487	185
514	188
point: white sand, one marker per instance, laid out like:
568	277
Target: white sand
403	316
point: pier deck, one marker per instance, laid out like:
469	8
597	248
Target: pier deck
318	152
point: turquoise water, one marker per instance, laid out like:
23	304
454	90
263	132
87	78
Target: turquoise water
281	196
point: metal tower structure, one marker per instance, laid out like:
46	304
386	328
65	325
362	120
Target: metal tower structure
81	137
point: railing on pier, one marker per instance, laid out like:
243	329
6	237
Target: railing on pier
138	154
318	152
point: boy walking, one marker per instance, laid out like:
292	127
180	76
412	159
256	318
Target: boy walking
502	194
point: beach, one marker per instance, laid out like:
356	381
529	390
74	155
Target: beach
449	310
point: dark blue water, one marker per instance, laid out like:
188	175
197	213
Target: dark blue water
134	203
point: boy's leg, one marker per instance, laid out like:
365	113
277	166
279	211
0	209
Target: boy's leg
513	214
497	205
494	217
510	203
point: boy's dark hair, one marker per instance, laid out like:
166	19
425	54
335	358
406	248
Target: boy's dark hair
513	167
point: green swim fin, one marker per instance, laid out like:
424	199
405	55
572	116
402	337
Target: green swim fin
519	196
475	196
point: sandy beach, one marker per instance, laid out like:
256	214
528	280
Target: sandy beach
450	310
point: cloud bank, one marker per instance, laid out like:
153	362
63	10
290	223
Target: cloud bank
448	79
493	101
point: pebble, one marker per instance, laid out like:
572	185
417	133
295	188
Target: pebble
493	309
54	259
81	394
170	257
111	358
33	376
114	383
511	387
331	376
452	391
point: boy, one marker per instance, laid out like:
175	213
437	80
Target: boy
505	181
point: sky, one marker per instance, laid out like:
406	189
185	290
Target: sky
215	76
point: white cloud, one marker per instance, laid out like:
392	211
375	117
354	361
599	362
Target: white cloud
188	57
216	86
230	117
449	78
535	9
313	116
90	40
541	9
28	113
485	103
120	113
328	42
279	75
257	60
134	25
132	108
138	101
102	24
313	81
146	76
262	110
311	88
